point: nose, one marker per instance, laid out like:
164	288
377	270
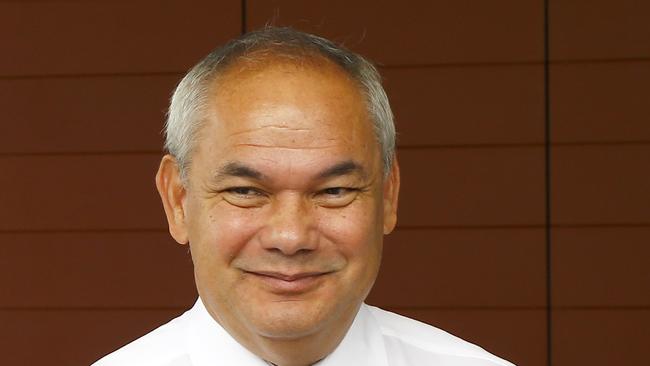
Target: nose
289	229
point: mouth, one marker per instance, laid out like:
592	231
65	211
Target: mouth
288	283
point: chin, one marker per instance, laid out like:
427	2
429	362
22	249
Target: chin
290	319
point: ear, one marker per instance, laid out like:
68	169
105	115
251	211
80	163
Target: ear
172	192
391	195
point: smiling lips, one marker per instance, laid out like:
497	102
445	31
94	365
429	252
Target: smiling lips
289	283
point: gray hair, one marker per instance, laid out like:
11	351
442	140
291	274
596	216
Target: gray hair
190	99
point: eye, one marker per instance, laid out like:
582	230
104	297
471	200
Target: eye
336	191
244	197
336	196
244	191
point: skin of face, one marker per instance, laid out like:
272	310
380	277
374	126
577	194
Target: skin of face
284	208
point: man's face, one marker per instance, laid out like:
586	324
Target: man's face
286	204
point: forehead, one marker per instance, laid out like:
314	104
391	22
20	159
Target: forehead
315	86
288	107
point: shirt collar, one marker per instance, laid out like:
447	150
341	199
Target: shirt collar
209	344
362	345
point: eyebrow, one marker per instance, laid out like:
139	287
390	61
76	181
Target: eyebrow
237	169
343	168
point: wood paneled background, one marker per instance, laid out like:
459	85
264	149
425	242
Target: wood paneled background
524	140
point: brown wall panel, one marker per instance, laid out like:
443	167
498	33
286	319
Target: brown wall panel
80	192
120	113
111	37
467	105
86	264
447	268
601	266
600	101
599	29
72	337
423	32
600	184
516	335
126	113
97	270
472	186
600	337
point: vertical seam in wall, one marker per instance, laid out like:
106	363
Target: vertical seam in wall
547	186
244	15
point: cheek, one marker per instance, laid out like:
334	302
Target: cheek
353	230
219	233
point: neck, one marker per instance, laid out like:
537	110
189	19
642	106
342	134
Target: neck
299	351
303	351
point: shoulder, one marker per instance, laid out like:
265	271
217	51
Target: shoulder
164	346
416	341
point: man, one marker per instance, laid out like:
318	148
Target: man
281	175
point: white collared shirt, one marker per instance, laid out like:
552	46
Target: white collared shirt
376	338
